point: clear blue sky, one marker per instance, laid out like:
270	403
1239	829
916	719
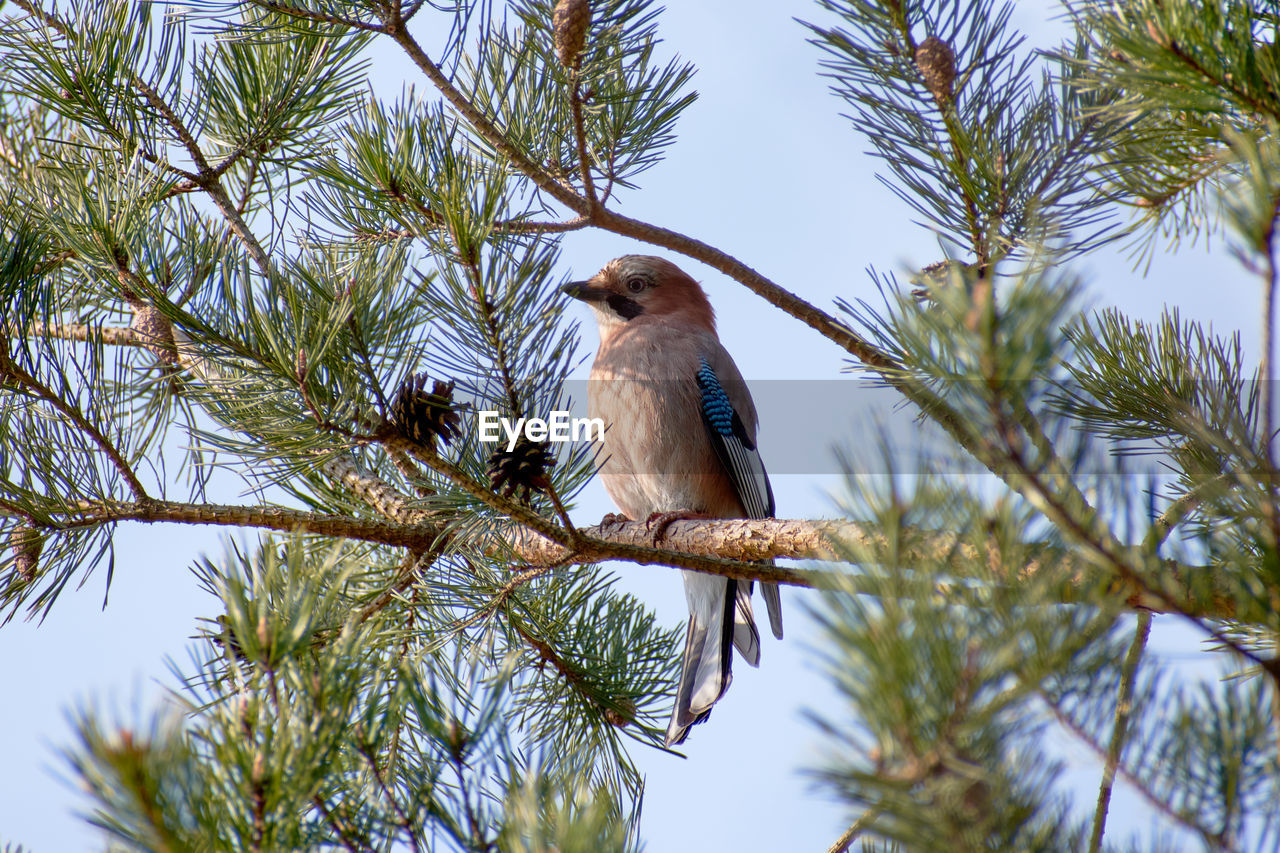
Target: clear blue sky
765	168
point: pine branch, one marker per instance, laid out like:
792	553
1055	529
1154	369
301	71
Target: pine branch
401	817
206	177
609	220
91	514
727	547
152	97
397	30
1268	273
510	226
9	370
1111	555
322	17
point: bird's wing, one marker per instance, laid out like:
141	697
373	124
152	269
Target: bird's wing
734	444
732	438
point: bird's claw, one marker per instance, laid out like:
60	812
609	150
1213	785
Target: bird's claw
663	520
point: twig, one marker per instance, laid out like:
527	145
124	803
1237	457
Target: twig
340	827
1178	510
958	159
1138	785
482	125
366	363
473	820
77	418
1265	372
562	512
580	137
402	819
412	568
411	472
318	17
1124	708
859	826
484	307
527	575
1266	399
525	226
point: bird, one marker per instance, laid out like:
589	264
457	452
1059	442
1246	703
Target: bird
679	442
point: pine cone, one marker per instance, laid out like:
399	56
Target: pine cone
570	20
26	544
523	468
937	65
423	417
155	331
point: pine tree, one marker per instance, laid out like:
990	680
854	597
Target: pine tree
223	253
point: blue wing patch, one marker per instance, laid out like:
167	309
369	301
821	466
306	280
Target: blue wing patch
735	449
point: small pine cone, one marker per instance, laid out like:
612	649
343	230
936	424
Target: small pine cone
26	543
423	417
523	468
937	65
936	274
155	332
622	715
570	20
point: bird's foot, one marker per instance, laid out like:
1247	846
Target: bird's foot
612	518
658	522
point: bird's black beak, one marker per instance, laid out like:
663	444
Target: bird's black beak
585	291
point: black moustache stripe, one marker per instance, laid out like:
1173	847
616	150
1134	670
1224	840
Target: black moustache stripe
624	306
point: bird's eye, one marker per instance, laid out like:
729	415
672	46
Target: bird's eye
635	285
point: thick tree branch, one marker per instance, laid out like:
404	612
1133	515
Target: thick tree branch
751	540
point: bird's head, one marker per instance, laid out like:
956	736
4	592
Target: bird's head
635	286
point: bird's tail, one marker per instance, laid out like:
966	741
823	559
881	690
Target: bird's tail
720	618
707	666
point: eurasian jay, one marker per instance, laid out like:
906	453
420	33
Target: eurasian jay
679	441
